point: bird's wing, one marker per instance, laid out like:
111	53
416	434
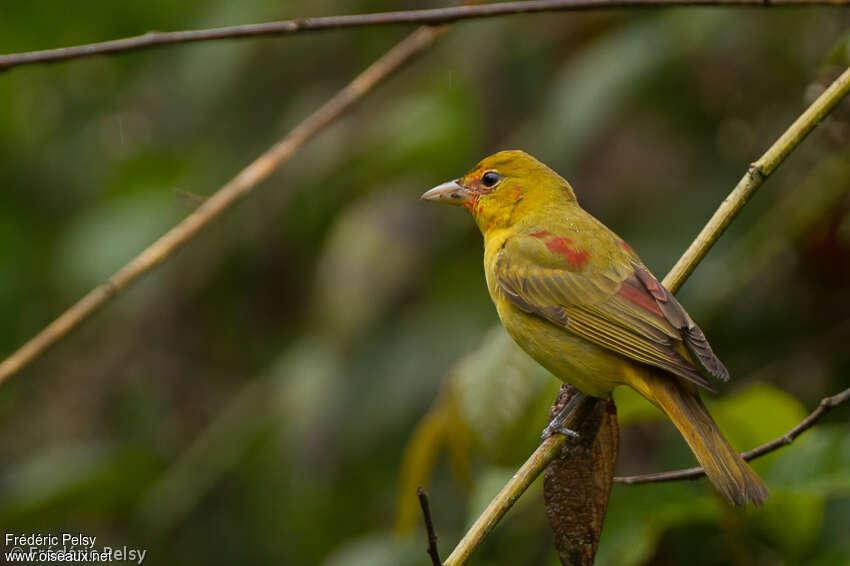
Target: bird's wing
621	307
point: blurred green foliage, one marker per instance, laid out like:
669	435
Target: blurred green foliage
251	401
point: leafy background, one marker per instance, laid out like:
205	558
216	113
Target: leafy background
274	393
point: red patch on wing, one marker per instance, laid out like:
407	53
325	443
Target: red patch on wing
540	234
626	247
640	298
654	287
575	258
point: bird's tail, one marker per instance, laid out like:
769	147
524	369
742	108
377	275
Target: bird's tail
729	473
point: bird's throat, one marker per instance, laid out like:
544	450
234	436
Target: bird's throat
499	211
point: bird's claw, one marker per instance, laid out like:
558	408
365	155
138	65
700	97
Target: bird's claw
558	429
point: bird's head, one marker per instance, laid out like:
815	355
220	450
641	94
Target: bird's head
503	189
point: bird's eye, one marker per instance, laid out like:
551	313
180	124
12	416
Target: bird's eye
490	178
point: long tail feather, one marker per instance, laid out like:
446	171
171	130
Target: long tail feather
729	473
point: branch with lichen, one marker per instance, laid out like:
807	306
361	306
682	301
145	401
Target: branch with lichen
753	179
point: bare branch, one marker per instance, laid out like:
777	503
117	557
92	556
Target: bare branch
429	527
408	17
221	200
731	206
825	406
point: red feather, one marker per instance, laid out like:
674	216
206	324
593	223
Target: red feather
639	297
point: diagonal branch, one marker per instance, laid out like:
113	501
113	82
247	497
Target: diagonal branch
826	405
549	450
429	17
723	216
238	187
755	177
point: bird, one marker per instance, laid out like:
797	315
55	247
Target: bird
578	299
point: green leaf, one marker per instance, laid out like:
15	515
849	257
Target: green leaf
487	485
379	549
632	407
817	463
755	415
793	536
69	482
503	396
101	240
638	517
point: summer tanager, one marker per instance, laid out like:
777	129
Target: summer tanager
579	300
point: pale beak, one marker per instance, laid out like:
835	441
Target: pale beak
449	193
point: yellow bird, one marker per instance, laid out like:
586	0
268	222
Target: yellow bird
580	301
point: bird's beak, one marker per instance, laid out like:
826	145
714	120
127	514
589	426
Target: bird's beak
449	193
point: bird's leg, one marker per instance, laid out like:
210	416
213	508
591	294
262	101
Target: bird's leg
556	425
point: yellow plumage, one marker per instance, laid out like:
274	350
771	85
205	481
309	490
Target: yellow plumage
578	300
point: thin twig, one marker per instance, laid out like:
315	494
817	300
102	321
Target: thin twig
825	406
731	206
221	200
429	527
430	17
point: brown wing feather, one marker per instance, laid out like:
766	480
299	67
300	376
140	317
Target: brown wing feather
694	339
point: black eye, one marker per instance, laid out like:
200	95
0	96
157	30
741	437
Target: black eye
490	178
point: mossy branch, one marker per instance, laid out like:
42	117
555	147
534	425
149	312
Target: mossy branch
726	212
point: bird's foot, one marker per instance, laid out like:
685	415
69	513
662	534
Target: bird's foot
556	425
558	428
